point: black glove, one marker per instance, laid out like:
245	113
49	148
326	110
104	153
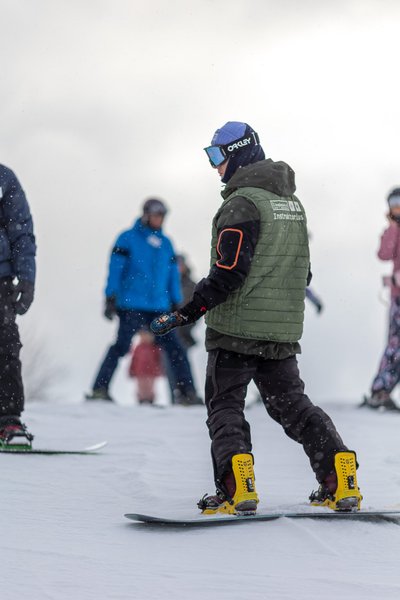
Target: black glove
319	307
110	308
187	314
22	296
164	323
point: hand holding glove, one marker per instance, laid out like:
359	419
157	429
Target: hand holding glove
22	296
192	311
164	323
110	308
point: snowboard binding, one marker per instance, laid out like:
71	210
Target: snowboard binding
347	496
243	497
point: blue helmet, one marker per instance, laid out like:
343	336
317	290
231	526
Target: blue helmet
237	142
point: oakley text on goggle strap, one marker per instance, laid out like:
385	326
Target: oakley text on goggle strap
219	154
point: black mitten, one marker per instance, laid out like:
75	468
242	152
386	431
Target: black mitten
23	296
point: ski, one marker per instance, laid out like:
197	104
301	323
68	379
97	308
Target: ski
25	449
201	521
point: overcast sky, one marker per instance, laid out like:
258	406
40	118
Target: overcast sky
105	103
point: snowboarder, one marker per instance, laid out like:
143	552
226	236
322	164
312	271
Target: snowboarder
17	283
253	300
388	375
143	280
146	366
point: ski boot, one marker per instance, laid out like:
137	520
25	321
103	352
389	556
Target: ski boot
380	401
237	495
99	394
187	398
14	433
340	491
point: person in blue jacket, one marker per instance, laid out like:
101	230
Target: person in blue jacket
17	283
143	280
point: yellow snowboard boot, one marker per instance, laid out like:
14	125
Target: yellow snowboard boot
340	490
241	486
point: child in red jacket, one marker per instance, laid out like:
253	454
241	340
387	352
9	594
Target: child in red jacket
146	366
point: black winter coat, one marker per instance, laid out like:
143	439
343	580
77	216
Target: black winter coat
17	240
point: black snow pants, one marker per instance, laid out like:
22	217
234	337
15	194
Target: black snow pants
282	391
11	387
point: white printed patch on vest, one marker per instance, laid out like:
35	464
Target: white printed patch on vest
287	210
1	192
280	205
285	205
288	217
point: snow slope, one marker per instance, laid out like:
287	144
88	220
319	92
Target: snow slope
64	536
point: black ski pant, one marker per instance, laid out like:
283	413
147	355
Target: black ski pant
282	392
11	387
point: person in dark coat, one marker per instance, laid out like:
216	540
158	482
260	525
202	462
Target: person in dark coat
143	279
253	301
17	284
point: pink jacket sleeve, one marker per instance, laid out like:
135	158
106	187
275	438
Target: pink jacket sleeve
389	247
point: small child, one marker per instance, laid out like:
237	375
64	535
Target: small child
146	366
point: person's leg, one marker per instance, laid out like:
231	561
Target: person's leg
169	375
181	372
145	389
129	323
11	386
389	369
283	395
227	377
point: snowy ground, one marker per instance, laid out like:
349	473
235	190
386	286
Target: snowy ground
64	535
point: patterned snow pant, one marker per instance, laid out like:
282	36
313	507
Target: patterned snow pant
282	392
11	387
388	375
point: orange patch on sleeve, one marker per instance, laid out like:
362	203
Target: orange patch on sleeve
229	267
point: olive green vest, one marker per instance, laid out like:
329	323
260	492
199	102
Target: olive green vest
270	303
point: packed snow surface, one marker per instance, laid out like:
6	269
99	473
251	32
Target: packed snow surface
64	535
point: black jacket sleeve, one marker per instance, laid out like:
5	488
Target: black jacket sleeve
16	223
238	227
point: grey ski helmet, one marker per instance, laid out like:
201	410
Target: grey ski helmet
153	206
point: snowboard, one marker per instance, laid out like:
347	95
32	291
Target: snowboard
211	520
23	449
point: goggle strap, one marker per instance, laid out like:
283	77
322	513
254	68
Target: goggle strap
225	150
256	140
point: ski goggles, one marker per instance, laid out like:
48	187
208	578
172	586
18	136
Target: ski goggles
219	154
